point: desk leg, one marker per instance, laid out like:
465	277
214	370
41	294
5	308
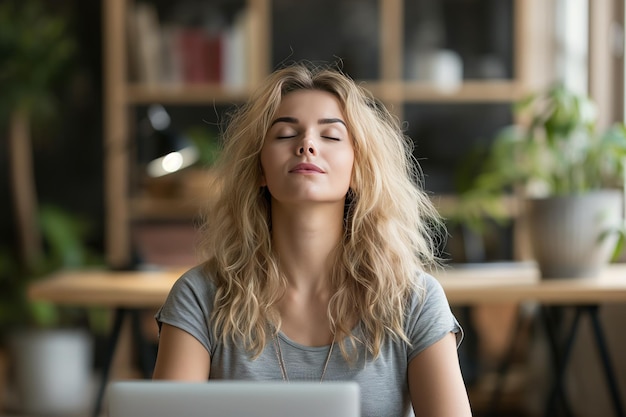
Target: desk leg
606	360
120	313
147	366
561	357
521	323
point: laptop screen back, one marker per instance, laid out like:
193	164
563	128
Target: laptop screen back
145	398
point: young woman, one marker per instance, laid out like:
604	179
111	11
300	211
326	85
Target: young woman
317	247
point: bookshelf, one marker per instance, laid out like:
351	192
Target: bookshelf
124	91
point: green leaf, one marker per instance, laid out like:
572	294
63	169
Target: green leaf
36	49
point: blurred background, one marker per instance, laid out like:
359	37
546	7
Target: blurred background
92	92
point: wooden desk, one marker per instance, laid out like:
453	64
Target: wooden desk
467	285
478	284
129	289
463	284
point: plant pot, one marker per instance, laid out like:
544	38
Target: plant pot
565	231
53	371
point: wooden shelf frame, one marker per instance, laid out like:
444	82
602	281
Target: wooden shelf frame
121	95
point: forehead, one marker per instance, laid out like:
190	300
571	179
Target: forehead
307	101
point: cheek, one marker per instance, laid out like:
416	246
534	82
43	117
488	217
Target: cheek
269	164
346	161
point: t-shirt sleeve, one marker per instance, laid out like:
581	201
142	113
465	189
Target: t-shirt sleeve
188	306
430	317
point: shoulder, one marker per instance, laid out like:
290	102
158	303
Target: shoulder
195	287
189	305
197	279
429	315
427	291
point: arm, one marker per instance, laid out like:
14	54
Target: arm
435	381
181	356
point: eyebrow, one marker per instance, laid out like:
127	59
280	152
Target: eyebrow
320	121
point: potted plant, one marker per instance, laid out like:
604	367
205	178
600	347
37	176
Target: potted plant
36	51
50	347
569	178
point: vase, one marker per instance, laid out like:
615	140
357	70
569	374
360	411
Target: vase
565	232
53	371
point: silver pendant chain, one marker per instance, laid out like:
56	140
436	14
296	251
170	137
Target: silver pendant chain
281	360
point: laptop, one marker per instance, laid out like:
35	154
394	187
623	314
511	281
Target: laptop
146	398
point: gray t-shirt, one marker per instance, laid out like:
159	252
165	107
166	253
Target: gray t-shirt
383	382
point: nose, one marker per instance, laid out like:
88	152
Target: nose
307	147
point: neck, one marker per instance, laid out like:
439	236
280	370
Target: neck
305	240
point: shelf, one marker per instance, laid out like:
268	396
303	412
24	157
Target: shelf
185	208
185	94
177	197
377	54
469	91
448	203
163	209
410	91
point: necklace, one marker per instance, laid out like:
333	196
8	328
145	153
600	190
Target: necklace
281	360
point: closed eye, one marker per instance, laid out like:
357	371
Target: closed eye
285	136
331	138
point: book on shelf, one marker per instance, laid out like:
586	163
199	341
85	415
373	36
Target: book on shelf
200	55
144	44
170	53
234	52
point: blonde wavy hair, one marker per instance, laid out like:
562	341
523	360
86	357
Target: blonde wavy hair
391	227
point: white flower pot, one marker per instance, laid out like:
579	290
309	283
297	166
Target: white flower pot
565	231
53	371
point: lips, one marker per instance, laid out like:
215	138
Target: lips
306	168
